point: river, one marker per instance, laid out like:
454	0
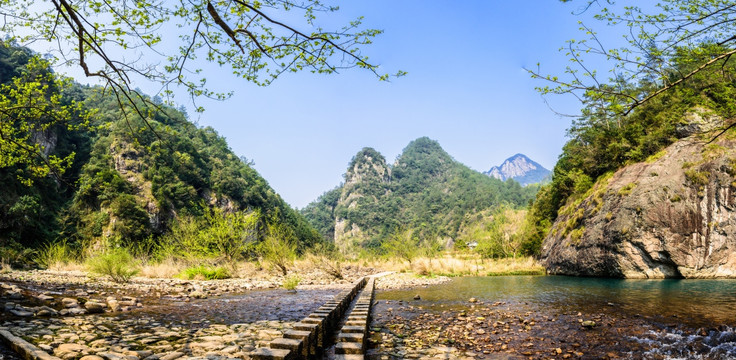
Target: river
653	319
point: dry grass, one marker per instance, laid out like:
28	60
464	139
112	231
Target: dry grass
455	264
166	269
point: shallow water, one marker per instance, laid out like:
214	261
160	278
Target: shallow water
695	303
659	319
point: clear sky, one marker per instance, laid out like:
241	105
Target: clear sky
466	88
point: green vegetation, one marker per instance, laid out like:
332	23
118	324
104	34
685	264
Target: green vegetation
205	272
291	282
425	198
118	264
55	254
682	72
108	179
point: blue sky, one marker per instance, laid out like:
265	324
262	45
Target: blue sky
466	88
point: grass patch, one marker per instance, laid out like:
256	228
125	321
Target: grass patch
202	272
528	272
656	156
55	255
626	190
291	282
118	264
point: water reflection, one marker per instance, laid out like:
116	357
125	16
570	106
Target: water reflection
689	301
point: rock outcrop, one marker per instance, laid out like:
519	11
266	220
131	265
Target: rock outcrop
669	217
520	168
366	181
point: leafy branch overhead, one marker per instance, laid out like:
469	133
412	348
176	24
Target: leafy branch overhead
666	45
121	41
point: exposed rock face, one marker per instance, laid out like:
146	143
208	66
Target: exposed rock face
520	168
672	216
365	182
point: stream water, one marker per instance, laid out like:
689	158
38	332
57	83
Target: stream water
696	303
656	319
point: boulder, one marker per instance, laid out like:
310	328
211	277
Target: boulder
672	216
94	307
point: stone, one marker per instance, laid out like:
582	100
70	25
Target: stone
196	294
113	304
91	357
46	311
70	350
172	355
21	312
69	303
588	324
473	300
417	297
94	307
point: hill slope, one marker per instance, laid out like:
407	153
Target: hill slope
425	191
127	182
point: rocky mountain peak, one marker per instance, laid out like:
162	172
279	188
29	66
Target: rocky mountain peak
520	168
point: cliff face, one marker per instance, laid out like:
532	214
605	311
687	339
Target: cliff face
366	181
520	168
672	216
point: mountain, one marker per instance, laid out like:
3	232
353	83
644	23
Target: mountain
130	181
520	168
425	191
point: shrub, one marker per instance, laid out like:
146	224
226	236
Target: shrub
278	247
291	282
118	264
205	272
54	255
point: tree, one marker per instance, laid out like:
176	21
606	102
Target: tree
174	37
31	108
122	42
666	45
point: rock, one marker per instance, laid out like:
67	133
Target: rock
68	351
473	300
172	356
669	217
197	294
14	295
417	297
113	304
46	311
94	307
588	324
44	297
21	312
91	357
698	121
69	303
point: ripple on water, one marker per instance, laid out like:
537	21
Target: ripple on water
252	306
676	344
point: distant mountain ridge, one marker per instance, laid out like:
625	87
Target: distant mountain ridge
425	192
523	170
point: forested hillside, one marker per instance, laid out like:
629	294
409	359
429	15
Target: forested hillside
128	181
425	194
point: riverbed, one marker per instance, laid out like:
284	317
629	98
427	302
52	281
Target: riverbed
543	316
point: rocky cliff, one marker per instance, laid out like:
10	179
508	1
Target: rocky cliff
425	190
669	217
366	181
520	168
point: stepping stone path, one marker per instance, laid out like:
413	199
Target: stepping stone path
315	333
